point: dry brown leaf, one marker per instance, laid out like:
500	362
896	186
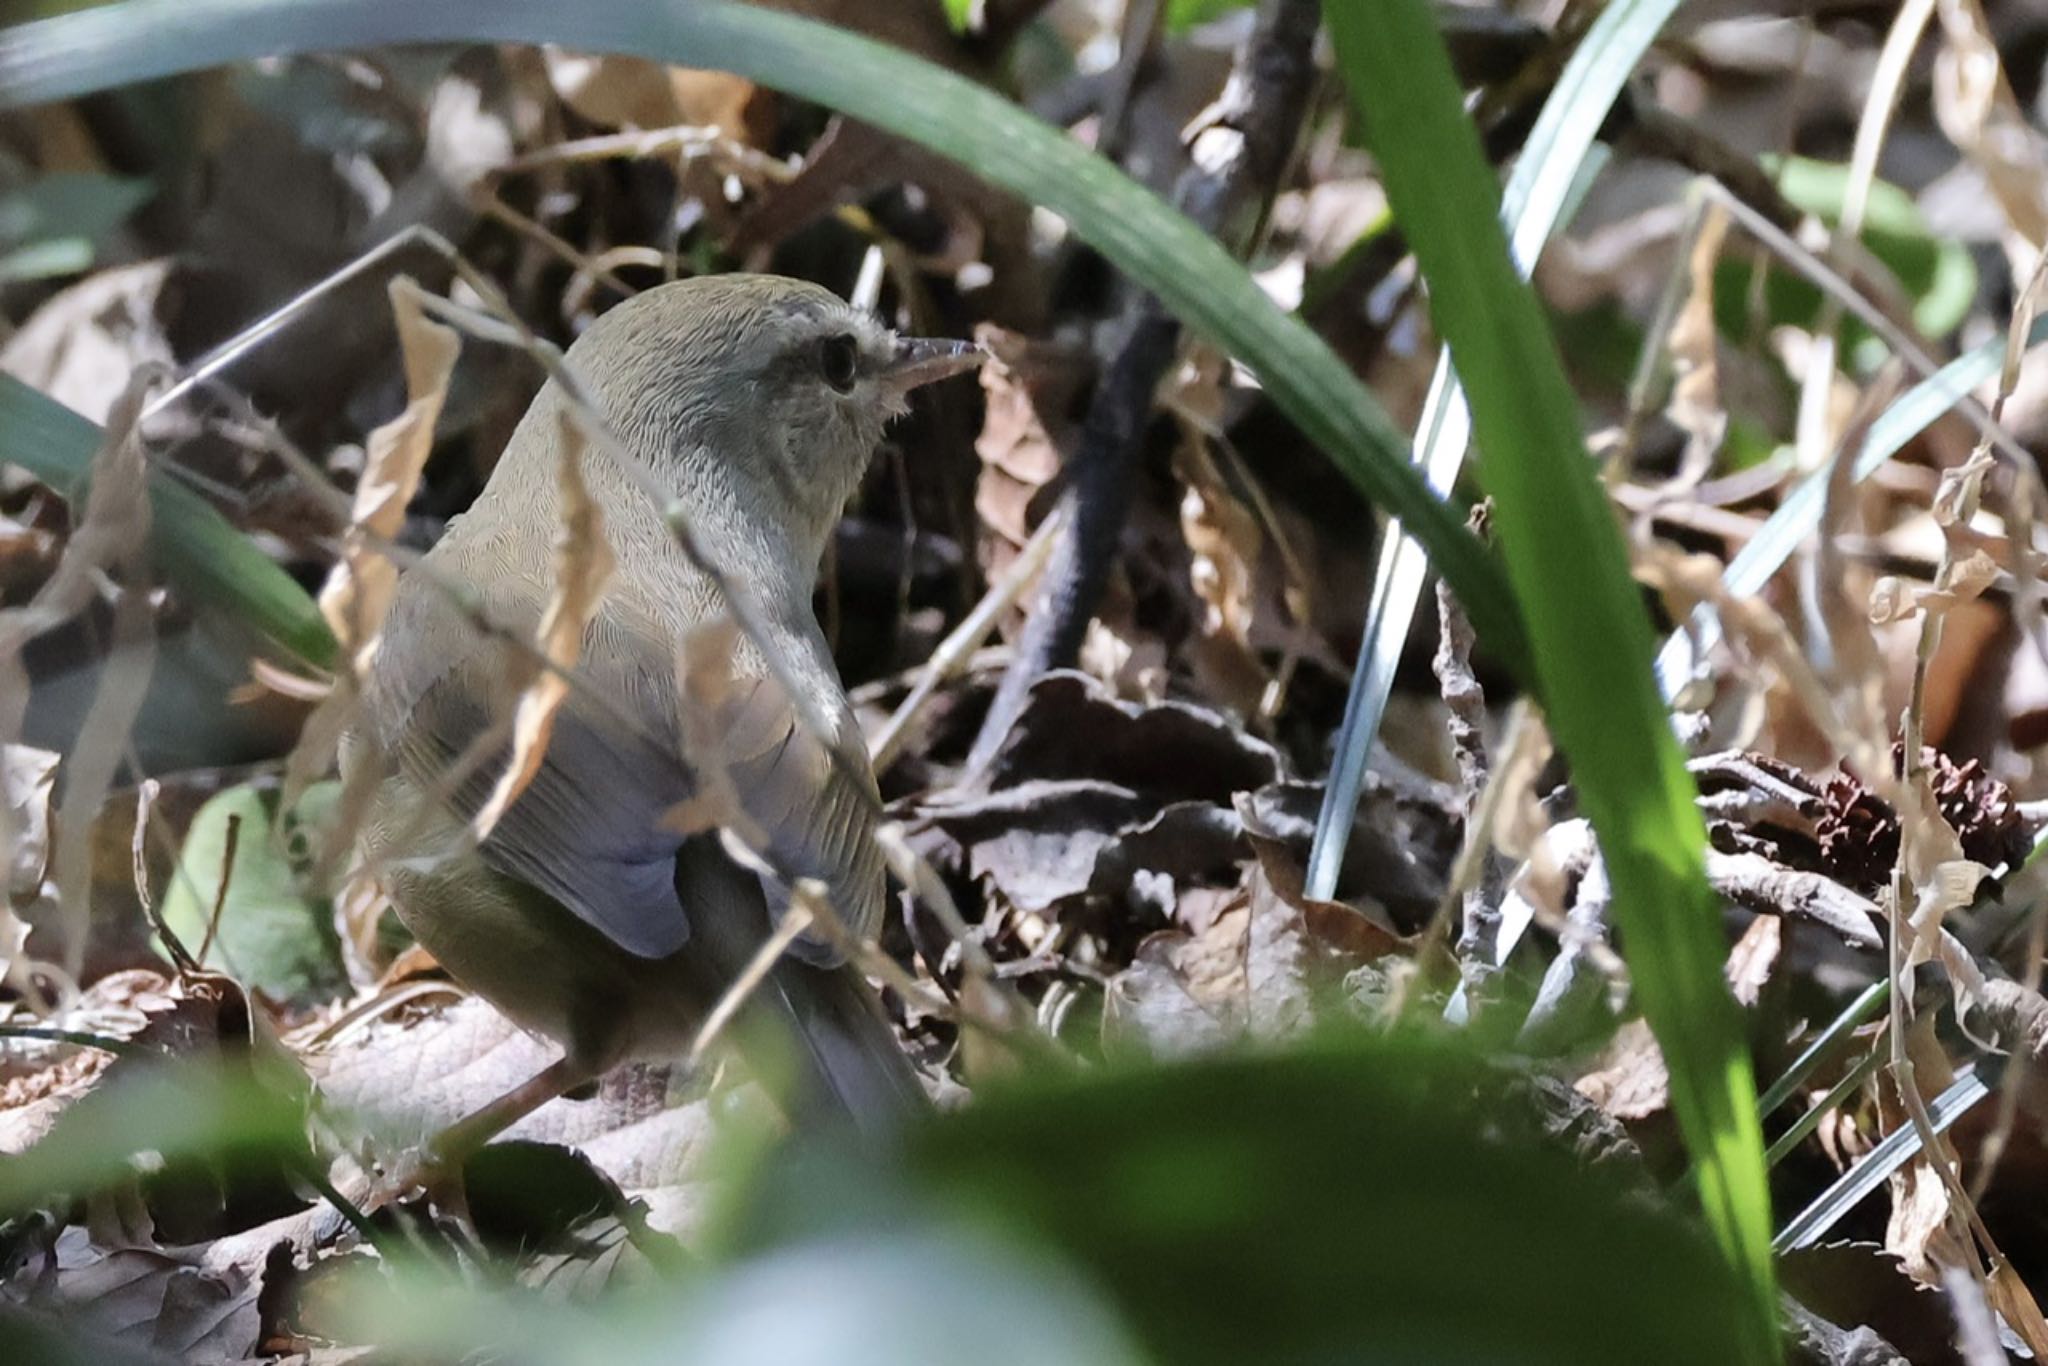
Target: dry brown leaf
704	666
1630	1081
1042	844
1941	880
364	581
1246	972
1847	712
110	538
409	1076
84	342
583	568
111	535
1157	1003
1030	387
14	968
1968	577
1225	542
1134	665
359	589
1919	1230
1695	405
631	92
39	1081
146	1298
27	776
1754	956
1891	600
2015	1303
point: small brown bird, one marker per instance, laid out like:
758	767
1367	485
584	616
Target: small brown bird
585	917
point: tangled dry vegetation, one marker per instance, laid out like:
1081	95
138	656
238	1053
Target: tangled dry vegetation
1106	857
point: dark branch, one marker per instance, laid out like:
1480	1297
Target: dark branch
1241	153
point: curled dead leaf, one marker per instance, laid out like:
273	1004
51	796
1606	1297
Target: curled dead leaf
359	589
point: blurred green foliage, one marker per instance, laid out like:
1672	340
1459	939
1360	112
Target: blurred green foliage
1937	275
171	1109
1182	15
52	225
1356	1198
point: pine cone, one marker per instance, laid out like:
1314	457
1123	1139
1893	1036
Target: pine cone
1980	808
1859	832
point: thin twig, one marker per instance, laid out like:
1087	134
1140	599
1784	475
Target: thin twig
491	206
106	1043
1465	704
959	646
138	867
230	840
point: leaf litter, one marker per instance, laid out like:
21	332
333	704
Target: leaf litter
1127	877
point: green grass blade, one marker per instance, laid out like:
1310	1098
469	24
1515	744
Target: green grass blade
1552	162
145	39
1590	637
1869	1172
190	544
1851	1017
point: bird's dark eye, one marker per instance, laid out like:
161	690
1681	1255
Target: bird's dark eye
839	361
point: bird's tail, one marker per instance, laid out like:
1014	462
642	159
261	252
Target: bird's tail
816	1036
831	1049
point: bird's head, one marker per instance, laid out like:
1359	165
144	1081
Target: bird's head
770	383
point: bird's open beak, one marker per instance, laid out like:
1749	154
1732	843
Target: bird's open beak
920	360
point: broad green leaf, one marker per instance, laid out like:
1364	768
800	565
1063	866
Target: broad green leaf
1937	273
1590	636
69	204
1159	248
191	545
1375	1199
270	934
46	260
52	225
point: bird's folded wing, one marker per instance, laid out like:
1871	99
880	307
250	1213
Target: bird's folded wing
588	830
816	803
596	828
